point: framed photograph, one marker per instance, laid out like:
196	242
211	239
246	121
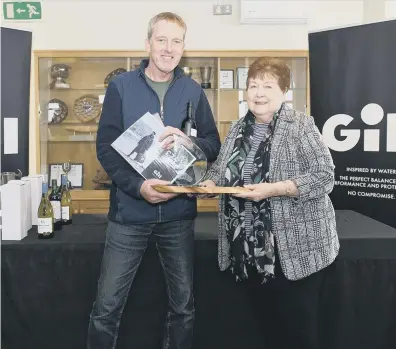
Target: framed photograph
243	109
242	73
75	175
226	78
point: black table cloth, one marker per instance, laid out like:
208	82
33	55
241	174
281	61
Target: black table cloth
48	287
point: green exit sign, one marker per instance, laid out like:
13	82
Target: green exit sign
22	10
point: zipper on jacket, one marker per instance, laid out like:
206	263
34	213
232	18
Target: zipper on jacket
162	118
159	214
161	103
163	100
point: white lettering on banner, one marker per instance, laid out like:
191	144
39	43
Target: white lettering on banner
367	179
371	114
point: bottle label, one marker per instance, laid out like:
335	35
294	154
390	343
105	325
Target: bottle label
194	132
65	213
56	207
44	225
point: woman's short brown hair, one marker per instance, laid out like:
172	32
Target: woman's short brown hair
269	66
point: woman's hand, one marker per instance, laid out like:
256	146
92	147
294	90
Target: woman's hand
258	191
266	190
208	184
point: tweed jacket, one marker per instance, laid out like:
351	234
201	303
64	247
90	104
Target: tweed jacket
304	227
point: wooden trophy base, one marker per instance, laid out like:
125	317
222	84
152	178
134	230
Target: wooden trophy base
198	190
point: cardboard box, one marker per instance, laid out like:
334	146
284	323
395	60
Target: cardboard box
13	200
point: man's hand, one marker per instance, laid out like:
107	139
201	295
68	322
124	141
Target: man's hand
208	184
153	196
167	135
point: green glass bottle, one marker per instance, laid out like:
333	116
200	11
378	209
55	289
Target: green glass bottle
66	202
45	215
55	199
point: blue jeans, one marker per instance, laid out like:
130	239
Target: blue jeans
124	249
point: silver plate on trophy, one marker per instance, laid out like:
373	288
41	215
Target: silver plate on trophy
57	111
112	74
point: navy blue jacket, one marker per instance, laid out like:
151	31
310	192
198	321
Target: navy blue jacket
127	98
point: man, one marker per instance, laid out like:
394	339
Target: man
136	209
143	145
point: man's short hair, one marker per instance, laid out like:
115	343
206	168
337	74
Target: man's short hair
167	16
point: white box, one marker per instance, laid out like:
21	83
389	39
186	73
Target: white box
26	216
28	201
13	198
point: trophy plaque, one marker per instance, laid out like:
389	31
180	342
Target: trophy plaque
112	74
87	108
206	73
59	74
57	111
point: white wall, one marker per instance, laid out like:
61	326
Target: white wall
390	9
122	24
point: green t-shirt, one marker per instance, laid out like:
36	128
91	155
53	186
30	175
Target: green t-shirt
160	88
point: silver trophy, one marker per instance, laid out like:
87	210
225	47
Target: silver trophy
59	72
187	71
206	73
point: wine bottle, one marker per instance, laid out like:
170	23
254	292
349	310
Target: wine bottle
188	125
66	202
45	215
55	199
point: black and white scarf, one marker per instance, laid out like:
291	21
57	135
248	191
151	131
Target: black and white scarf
256	248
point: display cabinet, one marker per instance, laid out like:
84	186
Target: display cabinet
70	87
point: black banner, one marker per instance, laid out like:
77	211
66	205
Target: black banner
353	100
16	48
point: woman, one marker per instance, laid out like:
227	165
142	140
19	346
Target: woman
283	231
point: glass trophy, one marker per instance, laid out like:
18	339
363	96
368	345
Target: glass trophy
192	158
192	169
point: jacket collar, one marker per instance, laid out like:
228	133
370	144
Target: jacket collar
286	113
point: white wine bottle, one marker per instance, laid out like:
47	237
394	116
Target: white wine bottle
66	202
55	200
45	215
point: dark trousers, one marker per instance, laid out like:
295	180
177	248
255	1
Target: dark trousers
124	249
288	311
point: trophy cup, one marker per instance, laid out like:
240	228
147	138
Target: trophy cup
206	73
188	71
59	72
66	167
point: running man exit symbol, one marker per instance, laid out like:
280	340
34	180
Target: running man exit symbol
22	10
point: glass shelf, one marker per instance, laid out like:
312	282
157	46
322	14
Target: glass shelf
63	90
